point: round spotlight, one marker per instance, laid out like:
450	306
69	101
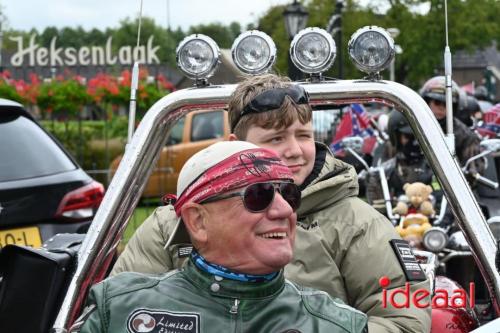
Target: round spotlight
254	52
197	56
313	50
372	49
435	239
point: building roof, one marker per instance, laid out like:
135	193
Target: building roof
489	56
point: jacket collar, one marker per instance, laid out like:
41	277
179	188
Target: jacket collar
335	181
319	163
219	287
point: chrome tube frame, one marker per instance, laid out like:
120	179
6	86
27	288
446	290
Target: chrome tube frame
387	195
142	152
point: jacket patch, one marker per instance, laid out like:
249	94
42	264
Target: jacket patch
152	321
184	251
407	259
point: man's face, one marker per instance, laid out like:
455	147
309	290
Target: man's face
294	145
438	108
246	242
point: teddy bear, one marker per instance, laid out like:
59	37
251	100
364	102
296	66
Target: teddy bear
418	200
415	214
412	228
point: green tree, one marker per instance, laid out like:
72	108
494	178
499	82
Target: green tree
235	29
473	24
222	35
126	34
74	37
46	36
273	24
9	44
95	37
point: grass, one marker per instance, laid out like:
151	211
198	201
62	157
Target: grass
139	216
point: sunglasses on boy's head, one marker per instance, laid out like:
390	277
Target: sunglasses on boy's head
259	196
273	99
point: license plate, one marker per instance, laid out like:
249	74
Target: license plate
23	236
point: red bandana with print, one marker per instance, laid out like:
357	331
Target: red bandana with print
238	170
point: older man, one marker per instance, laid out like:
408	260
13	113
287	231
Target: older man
237	202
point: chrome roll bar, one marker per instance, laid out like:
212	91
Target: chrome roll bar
142	152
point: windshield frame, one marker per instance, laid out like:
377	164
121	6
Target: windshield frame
140	157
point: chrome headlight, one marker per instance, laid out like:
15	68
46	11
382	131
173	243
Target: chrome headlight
253	52
313	50
491	144
197	56
372	49
435	239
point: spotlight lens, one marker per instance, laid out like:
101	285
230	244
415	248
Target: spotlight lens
197	56
371	49
435	239
254	52
313	50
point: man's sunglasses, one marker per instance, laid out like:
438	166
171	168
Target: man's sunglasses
259	196
273	99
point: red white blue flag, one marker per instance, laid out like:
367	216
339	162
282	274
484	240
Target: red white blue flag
491	122
354	122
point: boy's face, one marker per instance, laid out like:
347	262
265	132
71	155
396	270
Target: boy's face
294	145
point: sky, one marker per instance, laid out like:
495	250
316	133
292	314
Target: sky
26	14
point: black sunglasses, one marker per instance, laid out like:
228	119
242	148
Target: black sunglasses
439	102
272	99
259	196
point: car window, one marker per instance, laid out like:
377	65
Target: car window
175	136
26	151
207	125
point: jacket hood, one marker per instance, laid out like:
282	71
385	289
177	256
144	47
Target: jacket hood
330	181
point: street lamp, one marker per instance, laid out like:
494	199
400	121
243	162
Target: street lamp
334	27
295	20
394	32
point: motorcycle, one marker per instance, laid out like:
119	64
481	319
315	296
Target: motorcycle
45	289
453	265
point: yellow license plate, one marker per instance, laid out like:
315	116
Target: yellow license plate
29	236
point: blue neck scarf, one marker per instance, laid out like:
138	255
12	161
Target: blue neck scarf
221	271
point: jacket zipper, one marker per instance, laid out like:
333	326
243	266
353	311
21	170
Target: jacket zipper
233	310
234	307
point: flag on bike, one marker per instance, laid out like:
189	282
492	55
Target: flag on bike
469	88
490	126
354	122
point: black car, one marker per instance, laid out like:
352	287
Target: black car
43	191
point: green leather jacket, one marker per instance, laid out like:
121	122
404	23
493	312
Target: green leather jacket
192	300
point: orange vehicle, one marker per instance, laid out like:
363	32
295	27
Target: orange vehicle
192	133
